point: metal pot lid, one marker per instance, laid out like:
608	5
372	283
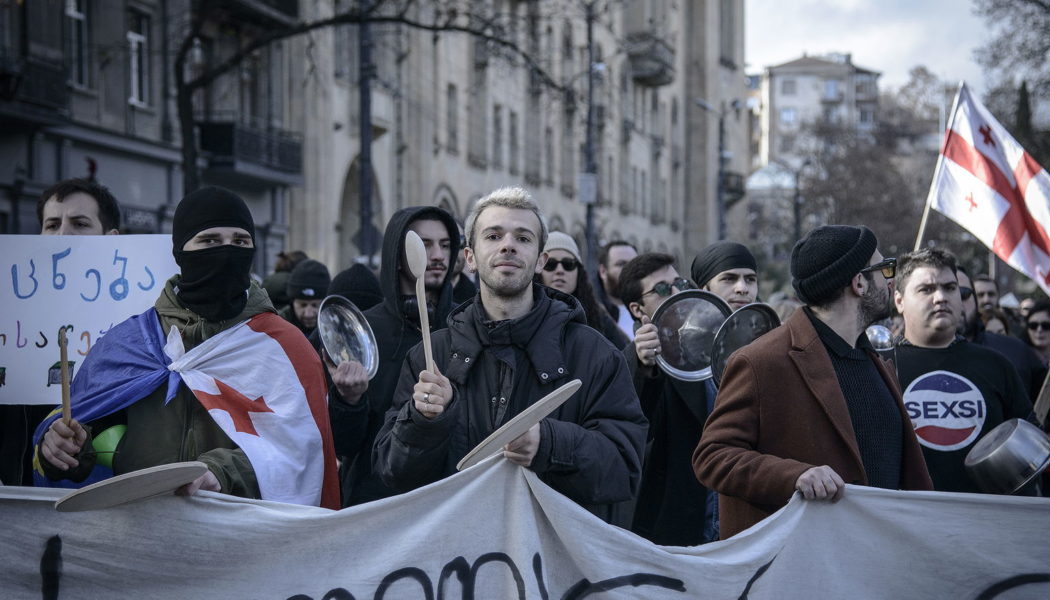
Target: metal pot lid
686	324
346	334
744	326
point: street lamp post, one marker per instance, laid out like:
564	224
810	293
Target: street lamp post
723	160
797	202
591	167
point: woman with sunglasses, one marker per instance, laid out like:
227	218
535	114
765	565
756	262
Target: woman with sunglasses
564	272
1037	330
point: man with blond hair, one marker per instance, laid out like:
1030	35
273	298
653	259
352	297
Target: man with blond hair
515	343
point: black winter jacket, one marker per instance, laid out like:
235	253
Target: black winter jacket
395	324
590	447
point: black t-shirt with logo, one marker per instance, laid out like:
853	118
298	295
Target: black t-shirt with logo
954	396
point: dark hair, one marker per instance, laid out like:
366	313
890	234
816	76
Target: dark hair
1041	306
584	293
603	254
108	209
987	314
286	261
986	278
639	268
937	258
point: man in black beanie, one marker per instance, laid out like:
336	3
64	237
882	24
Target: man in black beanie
307	287
809	406
213	241
729	270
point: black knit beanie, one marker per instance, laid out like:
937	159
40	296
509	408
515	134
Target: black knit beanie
718	257
309	281
206	208
826	260
359	285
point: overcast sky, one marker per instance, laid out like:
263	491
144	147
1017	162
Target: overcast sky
890	36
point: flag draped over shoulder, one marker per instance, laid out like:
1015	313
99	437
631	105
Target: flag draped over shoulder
263	384
986	182
260	381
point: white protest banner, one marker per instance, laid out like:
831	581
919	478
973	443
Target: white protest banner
495	531
86	283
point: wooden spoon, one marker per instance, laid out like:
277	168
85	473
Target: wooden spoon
416	255
64	370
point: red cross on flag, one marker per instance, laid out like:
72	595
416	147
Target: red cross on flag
263	384
986	182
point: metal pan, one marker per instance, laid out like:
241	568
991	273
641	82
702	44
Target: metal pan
346	334
686	324
744	326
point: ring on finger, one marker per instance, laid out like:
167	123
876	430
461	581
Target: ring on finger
426	397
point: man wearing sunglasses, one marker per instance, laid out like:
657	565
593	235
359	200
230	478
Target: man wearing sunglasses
673	508
955	392
1017	352
809	406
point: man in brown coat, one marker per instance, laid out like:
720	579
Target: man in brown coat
809	407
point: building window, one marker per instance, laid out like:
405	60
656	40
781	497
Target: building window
788	87
548	156
79	49
513	138
831	89
139	58
497	136
788	116
867	116
727	33
451	119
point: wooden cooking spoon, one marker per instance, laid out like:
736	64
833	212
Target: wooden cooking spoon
416	255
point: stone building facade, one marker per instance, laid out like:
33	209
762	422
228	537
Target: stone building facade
86	89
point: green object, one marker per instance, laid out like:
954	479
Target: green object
105	444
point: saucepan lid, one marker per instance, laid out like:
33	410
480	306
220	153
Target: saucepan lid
686	324
744	326
346	334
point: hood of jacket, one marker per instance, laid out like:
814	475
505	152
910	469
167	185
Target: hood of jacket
538	333
194	328
393	245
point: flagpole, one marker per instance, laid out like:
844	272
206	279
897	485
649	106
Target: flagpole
938	167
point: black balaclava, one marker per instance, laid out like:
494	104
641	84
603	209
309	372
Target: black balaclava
215	281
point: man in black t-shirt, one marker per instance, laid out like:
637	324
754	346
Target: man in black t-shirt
954	391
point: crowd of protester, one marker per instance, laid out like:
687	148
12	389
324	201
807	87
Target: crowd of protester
514	314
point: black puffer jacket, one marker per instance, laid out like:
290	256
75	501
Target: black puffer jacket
590	447
395	324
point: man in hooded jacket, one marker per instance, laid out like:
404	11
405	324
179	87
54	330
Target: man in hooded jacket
395	323
515	343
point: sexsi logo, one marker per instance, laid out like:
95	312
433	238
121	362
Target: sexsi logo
946	409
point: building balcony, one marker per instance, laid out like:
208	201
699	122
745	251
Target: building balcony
33	91
651	58
734	187
243	154
281	13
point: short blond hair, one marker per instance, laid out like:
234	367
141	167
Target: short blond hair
506	197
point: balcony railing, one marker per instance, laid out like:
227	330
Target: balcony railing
652	58
33	80
229	142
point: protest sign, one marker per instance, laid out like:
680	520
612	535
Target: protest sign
84	283
496	531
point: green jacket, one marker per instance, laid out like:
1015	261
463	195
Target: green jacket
182	430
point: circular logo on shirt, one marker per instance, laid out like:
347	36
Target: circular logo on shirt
946	409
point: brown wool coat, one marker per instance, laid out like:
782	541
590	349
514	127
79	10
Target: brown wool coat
779	412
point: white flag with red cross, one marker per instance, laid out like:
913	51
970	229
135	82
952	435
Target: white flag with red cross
986	182
263	384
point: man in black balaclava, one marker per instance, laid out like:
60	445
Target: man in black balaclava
213	241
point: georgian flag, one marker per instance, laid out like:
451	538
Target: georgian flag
986	182
261	382
263	385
